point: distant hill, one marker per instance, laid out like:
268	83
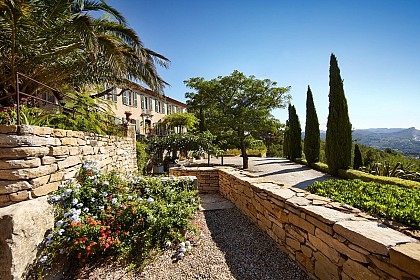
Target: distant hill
404	140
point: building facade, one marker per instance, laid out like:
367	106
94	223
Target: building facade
145	109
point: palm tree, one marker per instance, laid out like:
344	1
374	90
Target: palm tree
60	43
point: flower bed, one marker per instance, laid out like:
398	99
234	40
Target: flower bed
105	214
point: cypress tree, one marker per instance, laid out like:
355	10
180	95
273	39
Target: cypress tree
286	141
338	140
357	161
295	135
312	135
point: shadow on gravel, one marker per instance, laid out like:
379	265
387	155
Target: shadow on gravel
249	253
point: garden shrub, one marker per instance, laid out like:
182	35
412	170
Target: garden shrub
141	157
356	174
104	214
387	201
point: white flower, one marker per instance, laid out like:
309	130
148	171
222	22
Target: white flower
62	186
79	205
187	243
129	197
150	200
59	223
96	181
140	199
60	231
104	194
168	244
74	201
147	190
114	200
127	189
182	249
181	255
182	244
86	210
78	186
43	259
101	207
189	248
67	191
91	177
92	199
169	205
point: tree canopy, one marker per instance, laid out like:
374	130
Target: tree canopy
64	45
312	134
235	107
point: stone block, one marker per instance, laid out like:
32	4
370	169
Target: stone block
69	162
306	262
301	223
340	247
326	250
358	271
327	215
59	133
293	243
59	151
48	160
372	236
22	227
23	152
68	141
20	163
324	268
298	201
306	250
34	130
4	128
382	264
406	257
296	233
45	189
7	187
19	196
74	151
28	173
279	232
28	140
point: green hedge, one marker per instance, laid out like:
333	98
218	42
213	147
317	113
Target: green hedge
355	174
317	165
388	201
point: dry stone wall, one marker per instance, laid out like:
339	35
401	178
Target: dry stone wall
329	240
35	160
207	177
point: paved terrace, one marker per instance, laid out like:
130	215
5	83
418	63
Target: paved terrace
277	169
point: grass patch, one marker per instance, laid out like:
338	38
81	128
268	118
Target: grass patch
383	200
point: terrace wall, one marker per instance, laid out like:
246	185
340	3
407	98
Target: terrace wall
33	162
327	239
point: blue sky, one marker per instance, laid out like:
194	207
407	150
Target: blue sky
377	44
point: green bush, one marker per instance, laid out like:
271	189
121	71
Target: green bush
387	201
355	174
232	153
141	157
256	152
103	214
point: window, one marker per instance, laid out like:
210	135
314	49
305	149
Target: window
163	108
114	95
130	98
134	98
150	103
145	103
169	108
142	101
156	105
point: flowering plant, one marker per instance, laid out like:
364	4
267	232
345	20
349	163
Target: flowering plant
105	214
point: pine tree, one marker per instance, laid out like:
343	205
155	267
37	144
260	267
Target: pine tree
358	160
312	135
338	140
295	135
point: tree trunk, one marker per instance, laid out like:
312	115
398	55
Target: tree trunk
244	156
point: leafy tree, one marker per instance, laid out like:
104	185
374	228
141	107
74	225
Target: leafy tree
235	107
295	135
62	44
338	138
357	161
312	134
187	120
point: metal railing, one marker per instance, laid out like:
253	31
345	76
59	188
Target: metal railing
18	94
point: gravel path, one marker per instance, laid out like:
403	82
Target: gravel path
277	169
226	246
230	247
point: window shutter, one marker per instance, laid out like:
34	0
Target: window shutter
135	99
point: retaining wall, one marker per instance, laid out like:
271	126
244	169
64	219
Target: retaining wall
329	240
33	162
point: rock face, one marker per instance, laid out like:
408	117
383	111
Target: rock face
328	239
22	227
